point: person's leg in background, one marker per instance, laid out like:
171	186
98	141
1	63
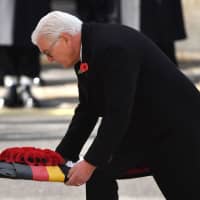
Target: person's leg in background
19	70
10	77
84	10
27	15
102	10
163	22
28	65
95	10
1	76
34	69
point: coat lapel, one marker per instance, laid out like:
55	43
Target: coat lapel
88	79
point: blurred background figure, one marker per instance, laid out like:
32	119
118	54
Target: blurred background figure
162	21
95	10
19	59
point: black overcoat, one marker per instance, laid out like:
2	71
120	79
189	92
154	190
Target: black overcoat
147	105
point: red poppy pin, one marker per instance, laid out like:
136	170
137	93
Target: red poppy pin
83	68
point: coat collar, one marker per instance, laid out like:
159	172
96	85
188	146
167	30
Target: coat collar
86	53
85	42
81	53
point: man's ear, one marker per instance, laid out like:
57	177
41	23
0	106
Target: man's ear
66	36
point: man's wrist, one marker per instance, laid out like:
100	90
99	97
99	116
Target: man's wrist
89	165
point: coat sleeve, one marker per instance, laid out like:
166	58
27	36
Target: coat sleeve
79	129
119	81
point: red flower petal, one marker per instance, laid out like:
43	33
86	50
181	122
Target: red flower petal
32	156
83	67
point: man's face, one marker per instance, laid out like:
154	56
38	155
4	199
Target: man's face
64	49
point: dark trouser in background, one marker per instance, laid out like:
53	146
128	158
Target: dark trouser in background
95	10
19	60
174	164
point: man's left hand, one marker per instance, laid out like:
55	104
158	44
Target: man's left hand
80	173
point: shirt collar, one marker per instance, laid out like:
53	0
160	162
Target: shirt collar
81	53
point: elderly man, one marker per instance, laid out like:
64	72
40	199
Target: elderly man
149	109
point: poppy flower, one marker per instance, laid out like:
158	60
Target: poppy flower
83	68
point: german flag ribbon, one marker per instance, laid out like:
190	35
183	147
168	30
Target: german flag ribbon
37	173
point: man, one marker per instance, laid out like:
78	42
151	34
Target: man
149	109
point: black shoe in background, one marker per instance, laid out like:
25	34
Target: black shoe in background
26	97
11	99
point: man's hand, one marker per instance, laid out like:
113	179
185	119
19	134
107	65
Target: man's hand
80	173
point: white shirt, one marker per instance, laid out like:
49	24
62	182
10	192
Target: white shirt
81	53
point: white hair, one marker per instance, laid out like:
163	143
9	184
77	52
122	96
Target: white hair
55	23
